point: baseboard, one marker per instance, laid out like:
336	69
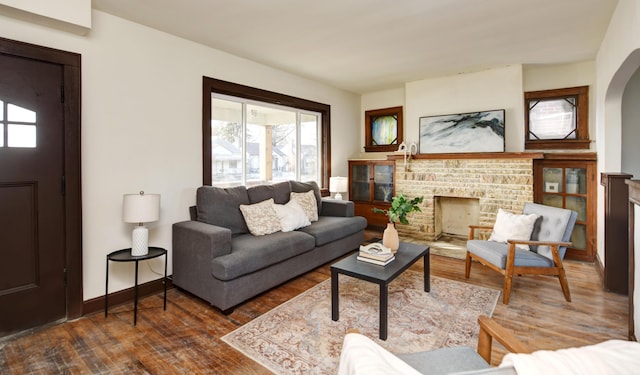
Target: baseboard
124	296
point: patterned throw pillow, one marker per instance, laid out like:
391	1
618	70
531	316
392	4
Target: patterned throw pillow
510	226
308	203
261	218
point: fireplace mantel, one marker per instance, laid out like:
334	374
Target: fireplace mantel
475	155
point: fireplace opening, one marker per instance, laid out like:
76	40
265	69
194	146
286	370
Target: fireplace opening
453	215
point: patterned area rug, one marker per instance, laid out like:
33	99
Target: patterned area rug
299	337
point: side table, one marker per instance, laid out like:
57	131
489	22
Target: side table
124	255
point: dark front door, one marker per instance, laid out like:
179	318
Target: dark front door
32	225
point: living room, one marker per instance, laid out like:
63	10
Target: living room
131	72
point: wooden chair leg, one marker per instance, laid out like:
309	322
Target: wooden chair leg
507	289
562	276
467	266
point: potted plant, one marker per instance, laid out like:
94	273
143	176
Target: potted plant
400	207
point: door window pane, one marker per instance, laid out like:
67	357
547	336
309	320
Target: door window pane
18	127
21	135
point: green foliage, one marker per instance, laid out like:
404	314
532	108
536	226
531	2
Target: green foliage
400	207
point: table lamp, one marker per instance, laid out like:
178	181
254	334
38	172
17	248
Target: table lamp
337	185
140	208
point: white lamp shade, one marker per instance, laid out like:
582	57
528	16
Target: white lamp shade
337	184
140	208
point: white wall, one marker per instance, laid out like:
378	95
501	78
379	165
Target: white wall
141	127
631	127
616	62
499	88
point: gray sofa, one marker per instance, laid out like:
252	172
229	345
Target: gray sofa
216	258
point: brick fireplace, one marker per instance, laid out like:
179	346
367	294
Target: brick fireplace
486	182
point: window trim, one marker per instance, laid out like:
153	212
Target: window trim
582	141
213	85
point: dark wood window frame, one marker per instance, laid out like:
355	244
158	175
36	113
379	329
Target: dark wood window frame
582	140
212	85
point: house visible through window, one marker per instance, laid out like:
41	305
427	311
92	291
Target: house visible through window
17	126
557	119
258	141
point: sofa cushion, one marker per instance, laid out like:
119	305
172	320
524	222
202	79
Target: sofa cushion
308	203
261	218
303	187
330	228
250	253
279	192
291	216
221	207
496	253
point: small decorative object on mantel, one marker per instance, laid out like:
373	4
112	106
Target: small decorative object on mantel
398	211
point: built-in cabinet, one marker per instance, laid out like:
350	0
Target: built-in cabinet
569	181
371	184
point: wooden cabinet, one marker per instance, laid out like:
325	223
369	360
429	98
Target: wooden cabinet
372	184
569	181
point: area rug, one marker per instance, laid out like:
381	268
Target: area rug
299	337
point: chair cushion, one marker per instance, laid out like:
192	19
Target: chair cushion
221	207
445	360
556	225
510	226
250	253
496	254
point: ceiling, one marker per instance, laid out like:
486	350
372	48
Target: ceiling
370	45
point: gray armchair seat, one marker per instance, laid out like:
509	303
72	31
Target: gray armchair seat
548	244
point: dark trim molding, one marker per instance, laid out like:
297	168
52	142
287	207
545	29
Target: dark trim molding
125	296
70	63
210	85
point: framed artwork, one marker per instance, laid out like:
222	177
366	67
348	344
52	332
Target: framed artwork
383	129
463	132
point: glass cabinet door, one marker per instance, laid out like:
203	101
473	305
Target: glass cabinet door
360	186
567	188
382	183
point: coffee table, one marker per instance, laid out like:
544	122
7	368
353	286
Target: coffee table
407	255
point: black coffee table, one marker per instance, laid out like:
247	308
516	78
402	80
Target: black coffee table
407	255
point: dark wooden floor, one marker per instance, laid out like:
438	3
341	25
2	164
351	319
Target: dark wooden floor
186	338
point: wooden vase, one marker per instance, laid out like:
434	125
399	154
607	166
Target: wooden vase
390	237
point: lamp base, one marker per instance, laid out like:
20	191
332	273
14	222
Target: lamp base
338	196
140	241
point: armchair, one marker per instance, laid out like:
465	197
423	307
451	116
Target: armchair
548	244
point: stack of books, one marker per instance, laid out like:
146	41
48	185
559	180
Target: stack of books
376	253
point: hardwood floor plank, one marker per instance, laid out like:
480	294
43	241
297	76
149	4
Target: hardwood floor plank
187	337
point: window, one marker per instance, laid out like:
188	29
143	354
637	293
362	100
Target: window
17	126
557	119
252	136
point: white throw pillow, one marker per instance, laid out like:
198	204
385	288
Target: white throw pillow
510	226
261	218
308	203
291	216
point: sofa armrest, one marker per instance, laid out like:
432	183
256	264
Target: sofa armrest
489	330
333	207
195	236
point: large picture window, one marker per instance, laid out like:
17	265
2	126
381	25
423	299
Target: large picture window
252	137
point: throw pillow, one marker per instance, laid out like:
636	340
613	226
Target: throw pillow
291	216
261	218
510	226
308	203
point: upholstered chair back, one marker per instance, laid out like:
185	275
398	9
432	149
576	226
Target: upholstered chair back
554	224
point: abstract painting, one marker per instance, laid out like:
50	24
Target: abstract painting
464	132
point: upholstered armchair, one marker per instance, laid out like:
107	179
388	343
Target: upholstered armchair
533	243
